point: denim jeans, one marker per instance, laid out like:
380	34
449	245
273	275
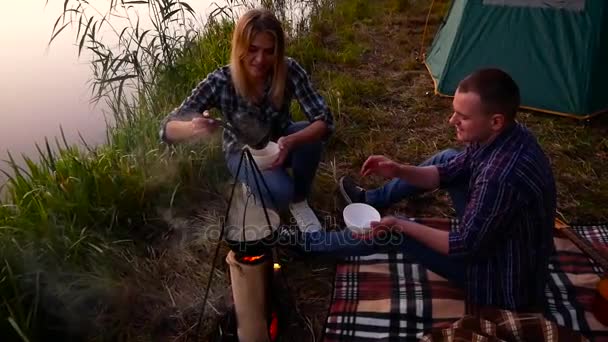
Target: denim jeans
398	189
303	160
343	243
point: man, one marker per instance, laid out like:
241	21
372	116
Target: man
502	188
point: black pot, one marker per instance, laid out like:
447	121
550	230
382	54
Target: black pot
253	247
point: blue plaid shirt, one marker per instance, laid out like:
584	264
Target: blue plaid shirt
505	234
217	91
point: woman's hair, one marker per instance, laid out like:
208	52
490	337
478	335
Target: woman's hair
251	23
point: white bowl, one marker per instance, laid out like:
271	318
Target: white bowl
266	156
358	216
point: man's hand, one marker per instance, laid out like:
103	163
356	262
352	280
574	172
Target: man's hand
387	223
434	238
382	166
203	126
381	229
285	143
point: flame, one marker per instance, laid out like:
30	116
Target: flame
251	259
276	266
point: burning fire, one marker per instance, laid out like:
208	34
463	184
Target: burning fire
251	259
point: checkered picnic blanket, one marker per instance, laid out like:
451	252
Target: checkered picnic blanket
386	297
494	325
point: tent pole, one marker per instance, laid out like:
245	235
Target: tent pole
426	25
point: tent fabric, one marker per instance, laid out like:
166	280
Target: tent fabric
565	4
555	50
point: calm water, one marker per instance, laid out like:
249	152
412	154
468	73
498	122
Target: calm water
42	89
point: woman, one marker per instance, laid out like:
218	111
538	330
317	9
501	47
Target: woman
254	94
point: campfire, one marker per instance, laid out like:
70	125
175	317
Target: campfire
250	260
252	270
251	279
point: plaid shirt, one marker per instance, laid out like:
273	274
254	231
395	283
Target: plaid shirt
217	91
505	233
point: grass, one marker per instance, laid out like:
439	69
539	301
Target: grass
113	239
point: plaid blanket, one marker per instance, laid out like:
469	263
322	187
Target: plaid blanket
503	325
386	297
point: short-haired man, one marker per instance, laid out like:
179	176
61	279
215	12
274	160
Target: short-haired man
503	191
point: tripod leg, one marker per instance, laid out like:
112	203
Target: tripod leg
217	249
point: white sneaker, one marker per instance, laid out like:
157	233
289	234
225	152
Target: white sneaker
305	218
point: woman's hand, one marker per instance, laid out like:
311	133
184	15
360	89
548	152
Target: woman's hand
285	143
203	126
382	166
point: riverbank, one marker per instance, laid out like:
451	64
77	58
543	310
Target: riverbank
110	243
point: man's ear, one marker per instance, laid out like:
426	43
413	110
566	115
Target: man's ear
498	122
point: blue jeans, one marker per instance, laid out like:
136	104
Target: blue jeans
343	243
303	160
398	189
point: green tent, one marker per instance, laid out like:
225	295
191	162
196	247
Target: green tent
556	50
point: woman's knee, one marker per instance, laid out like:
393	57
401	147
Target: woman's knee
311	150
296	127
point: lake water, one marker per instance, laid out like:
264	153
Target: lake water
44	88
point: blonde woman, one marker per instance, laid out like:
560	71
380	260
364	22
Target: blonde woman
254	93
